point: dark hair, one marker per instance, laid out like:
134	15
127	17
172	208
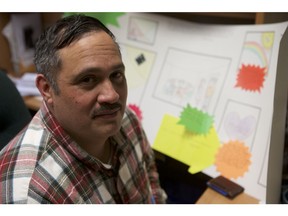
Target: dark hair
60	35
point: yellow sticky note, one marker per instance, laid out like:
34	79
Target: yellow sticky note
204	156
194	150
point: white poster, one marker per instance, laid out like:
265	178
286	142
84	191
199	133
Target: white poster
226	71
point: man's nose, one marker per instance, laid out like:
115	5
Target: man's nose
108	94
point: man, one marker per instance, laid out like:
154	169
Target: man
83	146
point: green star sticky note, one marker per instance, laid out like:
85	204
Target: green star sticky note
195	120
105	17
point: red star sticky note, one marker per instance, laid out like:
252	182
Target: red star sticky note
251	77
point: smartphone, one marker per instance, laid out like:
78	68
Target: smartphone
225	187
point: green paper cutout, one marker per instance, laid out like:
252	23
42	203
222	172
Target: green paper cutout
105	17
195	120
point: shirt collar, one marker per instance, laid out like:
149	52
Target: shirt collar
63	140
119	141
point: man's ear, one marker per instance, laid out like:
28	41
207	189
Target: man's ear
45	88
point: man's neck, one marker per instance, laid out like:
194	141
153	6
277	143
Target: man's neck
100	149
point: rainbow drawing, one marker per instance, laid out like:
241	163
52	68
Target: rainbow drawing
259	51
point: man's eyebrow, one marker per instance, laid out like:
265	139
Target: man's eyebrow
119	66
96	69
90	70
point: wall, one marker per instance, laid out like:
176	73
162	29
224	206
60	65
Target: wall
5	54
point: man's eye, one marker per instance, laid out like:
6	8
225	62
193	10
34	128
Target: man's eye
88	80
118	76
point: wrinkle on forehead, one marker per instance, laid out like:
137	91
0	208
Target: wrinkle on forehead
99	43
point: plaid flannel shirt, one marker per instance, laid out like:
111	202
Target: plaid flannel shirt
42	164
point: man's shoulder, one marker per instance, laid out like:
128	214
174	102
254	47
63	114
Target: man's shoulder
28	137
22	150
17	162
22	160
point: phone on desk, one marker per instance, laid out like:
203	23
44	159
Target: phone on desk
225	187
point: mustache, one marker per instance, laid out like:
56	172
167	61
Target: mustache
106	109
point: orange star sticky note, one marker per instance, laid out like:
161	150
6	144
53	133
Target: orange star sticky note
233	159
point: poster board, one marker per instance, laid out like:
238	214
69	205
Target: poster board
171	63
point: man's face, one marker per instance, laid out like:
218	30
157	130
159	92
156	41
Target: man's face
93	89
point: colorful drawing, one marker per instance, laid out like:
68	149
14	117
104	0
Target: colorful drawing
255	60
239	122
206	77
138	65
233	159
178	88
267	39
210	90
239	128
142	30
258	53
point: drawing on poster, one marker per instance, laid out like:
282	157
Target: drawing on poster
207	76
138	65
142	30
239	122
254	60
237	128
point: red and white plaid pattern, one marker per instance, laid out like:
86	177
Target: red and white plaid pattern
42	164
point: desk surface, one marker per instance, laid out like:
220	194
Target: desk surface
212	197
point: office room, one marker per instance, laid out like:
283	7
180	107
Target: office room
181	66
